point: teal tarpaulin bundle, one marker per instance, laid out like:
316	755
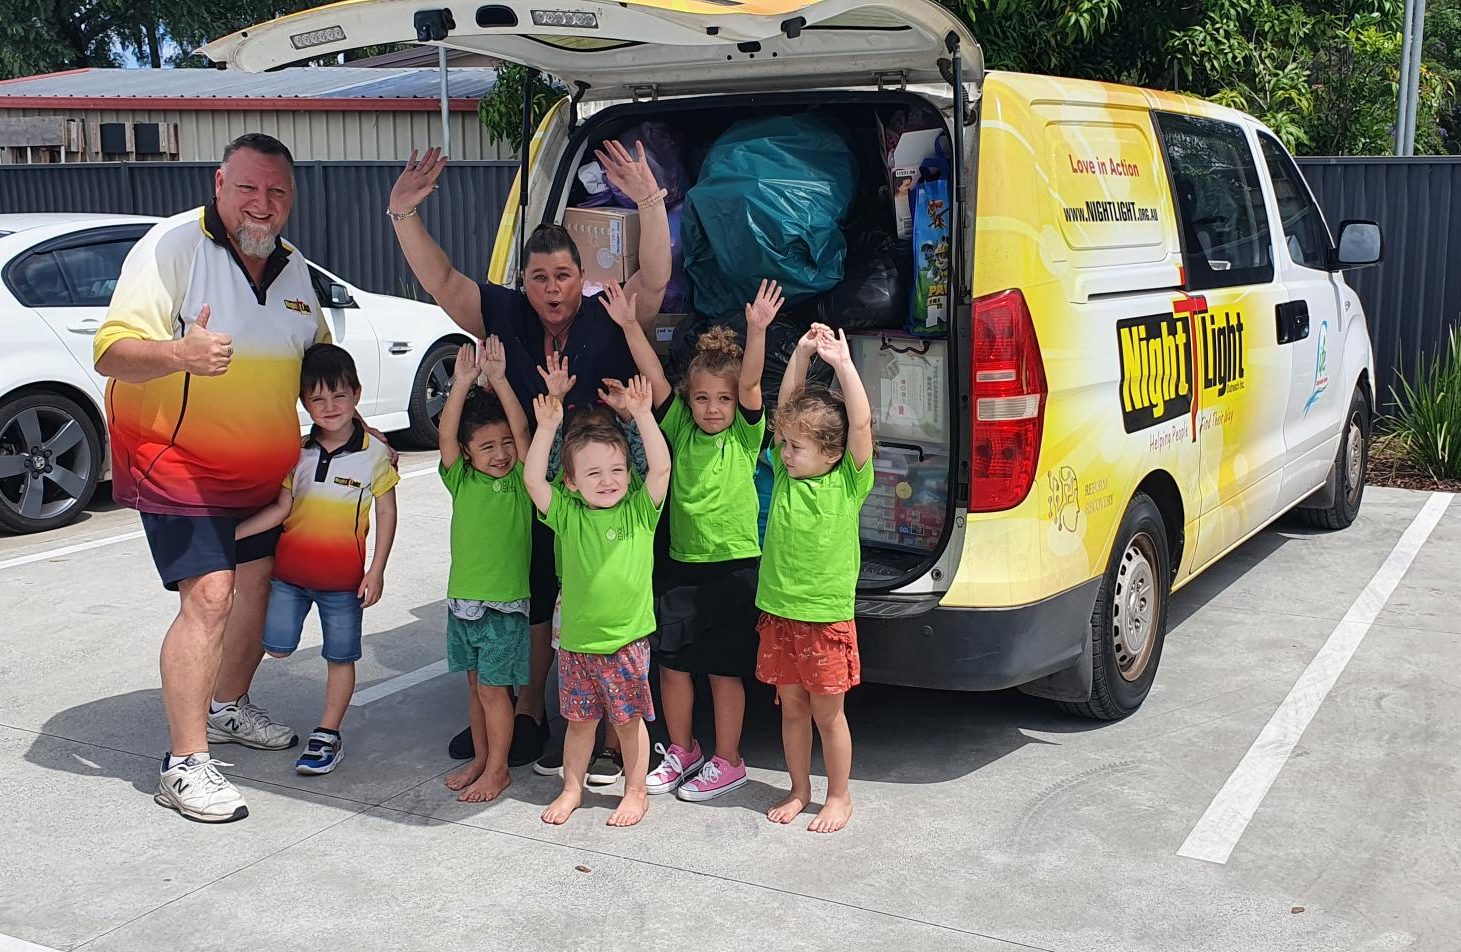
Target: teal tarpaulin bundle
771	201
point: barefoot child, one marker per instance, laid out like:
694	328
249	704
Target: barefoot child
707	612
604	520
491	531
823	473
325	508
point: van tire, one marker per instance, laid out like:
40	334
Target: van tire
1129	622
1351	467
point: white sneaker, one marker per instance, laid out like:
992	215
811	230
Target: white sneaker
199	792
248	724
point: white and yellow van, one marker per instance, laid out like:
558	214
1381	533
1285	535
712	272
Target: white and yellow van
1156	354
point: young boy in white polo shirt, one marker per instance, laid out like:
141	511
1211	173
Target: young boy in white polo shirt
320	560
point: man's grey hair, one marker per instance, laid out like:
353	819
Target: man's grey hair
260	143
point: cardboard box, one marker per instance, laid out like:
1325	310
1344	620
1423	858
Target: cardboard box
902	155
663	332
608	243
907	504
907	385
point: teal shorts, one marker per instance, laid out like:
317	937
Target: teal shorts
496	646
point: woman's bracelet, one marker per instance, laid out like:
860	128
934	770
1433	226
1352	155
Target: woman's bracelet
658	198
400	216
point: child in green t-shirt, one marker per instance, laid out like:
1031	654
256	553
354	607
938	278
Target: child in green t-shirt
823	471
706	610
479	436
604	520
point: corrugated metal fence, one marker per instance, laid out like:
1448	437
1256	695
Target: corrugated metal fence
1412	297
339	214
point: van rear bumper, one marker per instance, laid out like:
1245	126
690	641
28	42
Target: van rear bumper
912	641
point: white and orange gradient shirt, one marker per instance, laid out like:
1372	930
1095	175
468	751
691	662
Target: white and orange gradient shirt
323	544
208	446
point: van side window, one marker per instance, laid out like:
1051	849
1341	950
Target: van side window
1304	230
1220	205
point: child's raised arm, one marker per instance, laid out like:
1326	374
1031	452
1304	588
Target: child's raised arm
557	378
464	378
795	375
759	315
549	411
623	311
656	450
834	350
494	366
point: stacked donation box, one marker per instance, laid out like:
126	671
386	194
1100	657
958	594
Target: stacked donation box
907	386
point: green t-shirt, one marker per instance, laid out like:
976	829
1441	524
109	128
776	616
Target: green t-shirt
812	555
606	559
713	502
491	533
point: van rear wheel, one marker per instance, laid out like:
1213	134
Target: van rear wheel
1129	623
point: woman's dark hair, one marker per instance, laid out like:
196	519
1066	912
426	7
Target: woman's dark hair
483	408
328	365
549	239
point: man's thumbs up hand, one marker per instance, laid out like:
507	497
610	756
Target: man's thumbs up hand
202	351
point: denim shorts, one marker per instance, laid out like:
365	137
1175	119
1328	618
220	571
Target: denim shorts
340	619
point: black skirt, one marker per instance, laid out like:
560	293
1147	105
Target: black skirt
706	612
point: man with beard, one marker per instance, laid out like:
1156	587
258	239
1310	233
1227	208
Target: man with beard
203	343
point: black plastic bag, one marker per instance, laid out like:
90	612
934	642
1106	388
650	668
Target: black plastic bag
874	294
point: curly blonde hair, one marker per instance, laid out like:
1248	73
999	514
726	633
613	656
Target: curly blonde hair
718	352
818	413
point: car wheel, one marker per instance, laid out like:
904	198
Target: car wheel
428	393
50	461
1351	466
1129	622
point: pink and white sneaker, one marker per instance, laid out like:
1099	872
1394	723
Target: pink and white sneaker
678	764
716	777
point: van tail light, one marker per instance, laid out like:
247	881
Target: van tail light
1009	402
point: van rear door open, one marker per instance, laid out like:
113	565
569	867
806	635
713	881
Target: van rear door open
636	47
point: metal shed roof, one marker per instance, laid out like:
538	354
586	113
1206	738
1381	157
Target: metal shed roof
331	87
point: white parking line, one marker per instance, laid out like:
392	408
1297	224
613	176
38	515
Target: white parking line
1217	833
67	550
395	685
12	944
49	554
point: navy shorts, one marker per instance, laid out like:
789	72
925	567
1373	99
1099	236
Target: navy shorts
185	547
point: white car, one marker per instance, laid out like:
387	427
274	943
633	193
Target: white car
57	273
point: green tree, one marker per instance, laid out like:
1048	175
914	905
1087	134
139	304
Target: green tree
39	36
501	110
1443	50
1323	75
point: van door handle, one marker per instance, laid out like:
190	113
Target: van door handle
1293	321
89	326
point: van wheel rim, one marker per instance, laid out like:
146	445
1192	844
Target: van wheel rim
45	463
1135	608
1354	469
